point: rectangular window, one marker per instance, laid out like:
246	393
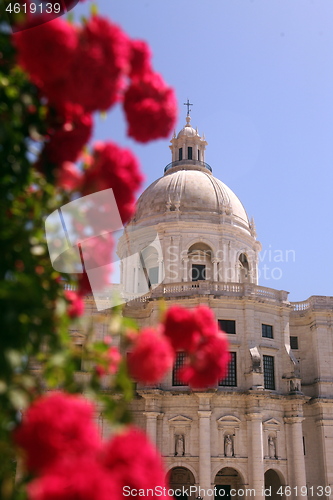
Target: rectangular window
198	155
198	272
294	343
180	153
269	377
227	325
267	331
153	275
189	153
231	379
180	360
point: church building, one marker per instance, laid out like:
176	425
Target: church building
266	430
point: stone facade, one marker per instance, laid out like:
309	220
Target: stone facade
270	423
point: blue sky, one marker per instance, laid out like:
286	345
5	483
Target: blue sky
260	76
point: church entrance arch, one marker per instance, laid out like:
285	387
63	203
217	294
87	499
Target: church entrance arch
180	479
272	485
228	484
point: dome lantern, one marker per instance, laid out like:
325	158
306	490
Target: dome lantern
188	148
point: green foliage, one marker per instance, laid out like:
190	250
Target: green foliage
36	350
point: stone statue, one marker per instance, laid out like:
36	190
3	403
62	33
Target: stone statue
228	446
294	385
256	360
180	445
271	447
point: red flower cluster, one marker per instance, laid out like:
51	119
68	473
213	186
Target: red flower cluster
67	134
47	51
70	462
197	333
131	451
68	176
116	168
111	360
139	59
55	426
98	68
194	331
97	257
76	304
100	59
81	479
150	107
151	357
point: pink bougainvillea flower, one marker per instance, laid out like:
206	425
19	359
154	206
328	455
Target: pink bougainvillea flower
150	107
54	426
152	356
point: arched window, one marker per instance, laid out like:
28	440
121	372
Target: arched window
149	267
244	268
200	257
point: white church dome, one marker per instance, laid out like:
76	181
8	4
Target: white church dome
190	189
188	226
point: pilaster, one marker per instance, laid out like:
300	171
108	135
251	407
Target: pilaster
255	457
296	463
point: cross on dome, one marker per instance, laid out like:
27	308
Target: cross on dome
188	104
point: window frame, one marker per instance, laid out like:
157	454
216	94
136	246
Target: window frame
231	374
228	322
151	272
295	341
178	364
203	268
265	335
269	376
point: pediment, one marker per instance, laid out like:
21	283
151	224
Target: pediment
78	337
229	419
272	421
180	419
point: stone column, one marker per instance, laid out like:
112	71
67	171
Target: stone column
160	271
136	273
215	276
256	456
296	454
204	451
325	427
185	268
151	424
